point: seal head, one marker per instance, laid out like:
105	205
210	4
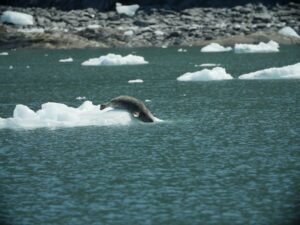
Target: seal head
135	106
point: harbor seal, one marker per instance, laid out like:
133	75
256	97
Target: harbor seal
135	106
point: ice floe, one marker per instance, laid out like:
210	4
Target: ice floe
181	50
262	47
215	47
17	18
113	59
128	10
288	31
217	73
135	81
66	60
207	65
54	115
3	53
286	72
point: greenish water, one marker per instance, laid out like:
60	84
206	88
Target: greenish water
227	152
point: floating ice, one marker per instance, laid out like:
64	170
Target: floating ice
215	47
53	115
135	81
288	31
262	47
286	72
3	53
207	65
66	60
128	10
81	98
217	73
17	18
10	67
112	60
181	50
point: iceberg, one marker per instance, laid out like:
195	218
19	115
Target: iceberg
215	47
54	115
66	60
262	47
3	53
135	81
217	73
17	18
128	10
112	60
286	72
288	31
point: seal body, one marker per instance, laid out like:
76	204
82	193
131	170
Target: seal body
135	106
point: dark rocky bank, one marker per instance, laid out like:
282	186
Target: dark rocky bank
109	5
151	27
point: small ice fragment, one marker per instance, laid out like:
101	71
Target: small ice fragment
135	81
66	60
285	72
262	47
217	73
215	47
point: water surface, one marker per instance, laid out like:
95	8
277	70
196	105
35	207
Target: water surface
227	151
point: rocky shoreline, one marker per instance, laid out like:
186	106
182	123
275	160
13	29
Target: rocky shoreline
152	27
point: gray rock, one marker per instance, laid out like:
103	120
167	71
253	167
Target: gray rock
264	17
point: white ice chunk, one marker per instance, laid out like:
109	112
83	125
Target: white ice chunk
128	10
17	18
3	53
215	47
207	65
217	73
66	60
135	81
182	50
288	31
262	47
112	60
286	72
81	98
53	115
